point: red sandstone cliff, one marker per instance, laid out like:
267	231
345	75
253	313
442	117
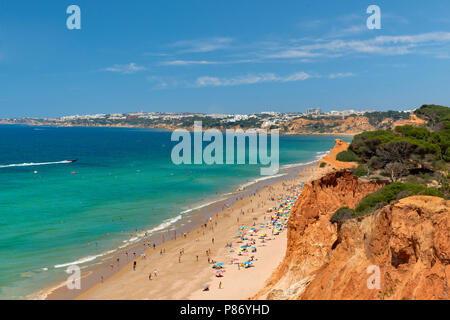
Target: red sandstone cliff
408	241
350	125
412	121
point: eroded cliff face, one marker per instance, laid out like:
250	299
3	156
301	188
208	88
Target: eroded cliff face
350	125
412	121
408	241
310	233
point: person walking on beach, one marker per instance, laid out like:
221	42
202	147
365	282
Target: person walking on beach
134	266
155	272
150	276
220	285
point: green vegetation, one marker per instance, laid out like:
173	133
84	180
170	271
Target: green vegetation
382	197
360	171
390	193
433	113
375	118
342	214
322	164
347	156
414	147
416	159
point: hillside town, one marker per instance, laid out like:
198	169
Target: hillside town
311	121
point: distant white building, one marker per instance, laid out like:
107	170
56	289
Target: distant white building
271	113
313	111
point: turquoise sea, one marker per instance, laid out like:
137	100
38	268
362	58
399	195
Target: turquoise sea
124	180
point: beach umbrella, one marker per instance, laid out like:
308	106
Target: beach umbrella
220	264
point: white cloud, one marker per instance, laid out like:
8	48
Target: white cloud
203	45
292	53
186	62
249	79
129	68
381	45
348	31
206	62
212	81
341	75
423	38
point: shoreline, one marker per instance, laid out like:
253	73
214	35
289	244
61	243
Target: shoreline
343	134
189	221
184	278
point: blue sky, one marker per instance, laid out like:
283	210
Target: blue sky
230	56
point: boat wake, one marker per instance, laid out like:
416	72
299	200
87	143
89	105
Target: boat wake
31	164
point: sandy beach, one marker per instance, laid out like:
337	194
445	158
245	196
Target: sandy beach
184	266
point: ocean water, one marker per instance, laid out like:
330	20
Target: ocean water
124	180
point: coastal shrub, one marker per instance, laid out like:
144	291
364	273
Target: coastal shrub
444	183
390	193
360	171
433	113
446	155
404	143
383	197
395	152
415	132
375	163
342	214
412	179
347	156
375	118
322	164
404	194
365	145
396	170
380	205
